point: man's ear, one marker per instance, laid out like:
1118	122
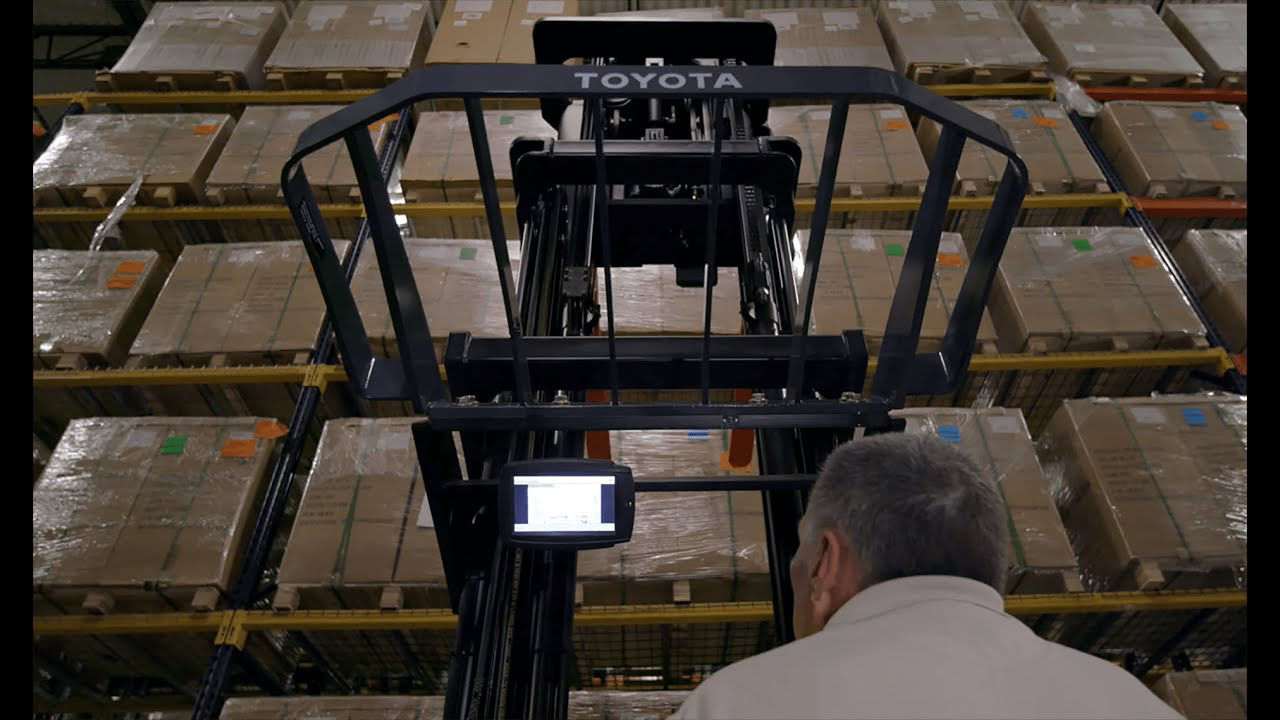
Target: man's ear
829	558
831	576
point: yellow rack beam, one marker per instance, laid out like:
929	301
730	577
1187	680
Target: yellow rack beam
234	625
232	213
321	375
342	97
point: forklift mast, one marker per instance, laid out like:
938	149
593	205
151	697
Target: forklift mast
663	156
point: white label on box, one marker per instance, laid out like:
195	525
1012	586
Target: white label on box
548	7
397	27
1148	415
140	438
1068	15
988	114
395	12
820	114
985	8
301	115
1048	241
1086	48
972	18
842	20
243	256
424	515
1163	112
472	16
862	242
913	7
782	20
526	21
394	440
480	6
321	14
1132	17
890	114
240	436
1052	113
251	31
459	23
948	246
1006	424
216	13
1204	14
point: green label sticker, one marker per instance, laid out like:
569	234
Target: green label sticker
173	445
506	119
893	249
467	254
1082	245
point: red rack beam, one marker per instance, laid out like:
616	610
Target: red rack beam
1175	94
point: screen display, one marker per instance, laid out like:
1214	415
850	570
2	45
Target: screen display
564	504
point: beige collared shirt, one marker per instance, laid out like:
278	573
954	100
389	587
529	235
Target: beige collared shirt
923	647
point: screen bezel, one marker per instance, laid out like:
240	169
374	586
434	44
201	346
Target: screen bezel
623	498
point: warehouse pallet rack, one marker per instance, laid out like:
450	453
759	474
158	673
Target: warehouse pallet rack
1166	619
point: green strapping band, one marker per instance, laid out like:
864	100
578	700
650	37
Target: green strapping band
142	168
404	519
1217	408
844	264
340	562
884	150
733	536
1053	138
248	170
1048	281
182	524
271	344
1008	511
1129	271
1159	492
217	257
1182	169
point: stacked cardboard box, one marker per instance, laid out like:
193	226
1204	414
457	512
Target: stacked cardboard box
879	157
233	304
210	46
648	301
132	509
441	167
1080	289
1152	491
1206	694
517	39
248	169
948	42
1176	149
363	535
858	273
457	282
1215	263
1097	45
624	705
695	13
1217	38
340	45
814	37
1040	556
364	707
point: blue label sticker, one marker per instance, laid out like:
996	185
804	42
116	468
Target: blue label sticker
950	433
1200	116
1194	416
1021	114
699	434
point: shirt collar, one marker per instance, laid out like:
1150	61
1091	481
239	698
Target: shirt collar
899	593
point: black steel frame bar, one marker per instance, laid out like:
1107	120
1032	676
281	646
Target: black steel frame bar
600	214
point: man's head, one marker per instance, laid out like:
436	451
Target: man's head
891	506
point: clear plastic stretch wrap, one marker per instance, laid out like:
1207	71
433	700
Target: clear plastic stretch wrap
357	707
700	13
713	540
363	523
1057	160
648	301
1080	289
90	303
39	455
1040	556
1215	263
325	35
1216	34
248	170
1153	491
254	298
157	504
1206	694
624	705
857	276
1176	149
826	36
934	42
441	166
1097	44
107	152
457	281
879	155
205	38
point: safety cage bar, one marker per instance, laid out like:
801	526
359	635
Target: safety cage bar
900	371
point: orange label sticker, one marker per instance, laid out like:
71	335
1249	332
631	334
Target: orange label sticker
37	130
121	282
206	129
373	126
1221	125
897	125
1143	261
951	259
239	448
1046	122
1242	363
131	267
269	429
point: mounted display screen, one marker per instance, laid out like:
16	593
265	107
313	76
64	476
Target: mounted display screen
568	504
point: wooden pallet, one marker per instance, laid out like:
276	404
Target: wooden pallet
143	598
360	596
332	78
185	81
1044	581
1124	78
936	74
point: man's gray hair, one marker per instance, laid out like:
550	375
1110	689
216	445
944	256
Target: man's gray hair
912	505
